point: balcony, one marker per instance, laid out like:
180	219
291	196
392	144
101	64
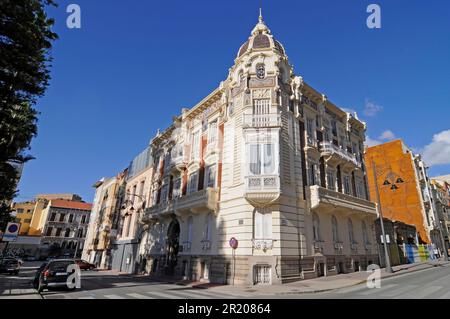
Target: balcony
308	102
204	200
262	120
335	155
326	200
201	201
179	162
262	189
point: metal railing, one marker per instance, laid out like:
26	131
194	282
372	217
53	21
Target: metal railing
328	147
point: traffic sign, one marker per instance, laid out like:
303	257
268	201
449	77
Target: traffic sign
234	243
11	232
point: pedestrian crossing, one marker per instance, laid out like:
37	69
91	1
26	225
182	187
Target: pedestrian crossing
166	294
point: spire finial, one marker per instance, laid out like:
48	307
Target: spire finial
260	15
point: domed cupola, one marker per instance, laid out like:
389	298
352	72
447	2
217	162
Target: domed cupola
260	40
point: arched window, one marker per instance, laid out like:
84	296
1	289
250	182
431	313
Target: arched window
189	229
364	233
334	226
208	226
351	236
262	225
316	227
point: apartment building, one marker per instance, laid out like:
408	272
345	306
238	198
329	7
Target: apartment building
270	161
405	188
128	250
102	229
64	224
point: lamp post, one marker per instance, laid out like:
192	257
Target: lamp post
386	252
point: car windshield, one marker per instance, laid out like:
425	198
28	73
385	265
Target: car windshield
60	265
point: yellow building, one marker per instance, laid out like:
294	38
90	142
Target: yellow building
24	213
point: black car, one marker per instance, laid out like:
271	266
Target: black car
53	274
10	265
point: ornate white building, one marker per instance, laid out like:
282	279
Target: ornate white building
270	161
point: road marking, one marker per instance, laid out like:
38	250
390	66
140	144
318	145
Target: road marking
87	297
377	290
445	296
114	297
419	294
399	291
162	295
209	294
139	296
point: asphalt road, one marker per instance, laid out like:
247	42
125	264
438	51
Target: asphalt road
432	283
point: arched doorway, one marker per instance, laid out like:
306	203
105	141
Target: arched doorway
173	237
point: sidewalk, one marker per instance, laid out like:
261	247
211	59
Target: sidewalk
321	284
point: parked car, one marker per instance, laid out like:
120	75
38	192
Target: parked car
85	265
52	274
30	258
10	265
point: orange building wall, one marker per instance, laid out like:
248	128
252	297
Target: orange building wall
403	204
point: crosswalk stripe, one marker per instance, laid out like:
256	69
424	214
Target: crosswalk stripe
422	293
114	297
399	291
87	297
164	295
445	296
209	294
377	290
139	296
186	294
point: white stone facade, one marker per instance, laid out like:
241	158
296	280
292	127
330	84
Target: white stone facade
270	161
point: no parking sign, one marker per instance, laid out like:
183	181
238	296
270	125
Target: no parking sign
11	232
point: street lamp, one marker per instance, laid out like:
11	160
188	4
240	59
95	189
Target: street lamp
386	253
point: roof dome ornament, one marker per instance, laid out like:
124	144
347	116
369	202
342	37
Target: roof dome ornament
260	26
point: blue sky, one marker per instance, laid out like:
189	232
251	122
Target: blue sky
135	64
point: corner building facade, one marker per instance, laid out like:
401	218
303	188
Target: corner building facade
270	161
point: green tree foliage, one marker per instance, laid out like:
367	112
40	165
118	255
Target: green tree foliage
25	43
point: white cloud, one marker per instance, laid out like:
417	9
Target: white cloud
387	135
438	151
371	142
371	108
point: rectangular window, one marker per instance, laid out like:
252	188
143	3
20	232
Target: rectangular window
141	189
27	221
313	180
58	232
52	217
347	185
261	106
49	231
19	211
327	134
61	217
334	127
193	183
195	155
331	181
164	193
83	219
70	218
211	176
263	225
212	133
262	159
133	194
176	188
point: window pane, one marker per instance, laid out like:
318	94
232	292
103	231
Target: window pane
267	226
269	159
258	225
255	160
